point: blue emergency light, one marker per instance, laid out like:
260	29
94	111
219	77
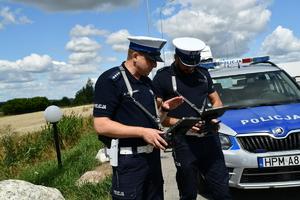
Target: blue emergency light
235	61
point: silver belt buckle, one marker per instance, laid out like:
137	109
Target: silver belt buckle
195	134
201	134
149	148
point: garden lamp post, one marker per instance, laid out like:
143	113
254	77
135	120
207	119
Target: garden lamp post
53	114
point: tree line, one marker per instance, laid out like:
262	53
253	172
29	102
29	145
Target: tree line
27	105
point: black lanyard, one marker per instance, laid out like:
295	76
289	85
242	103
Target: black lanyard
129	88
174	84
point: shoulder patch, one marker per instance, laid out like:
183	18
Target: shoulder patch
115	75
162	69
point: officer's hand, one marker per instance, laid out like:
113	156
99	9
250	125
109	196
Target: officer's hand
152	137
172	103
218	126
196	127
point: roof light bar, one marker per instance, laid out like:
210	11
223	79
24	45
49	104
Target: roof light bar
235	61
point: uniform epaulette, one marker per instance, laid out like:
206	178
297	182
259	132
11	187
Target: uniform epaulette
115	75
162	69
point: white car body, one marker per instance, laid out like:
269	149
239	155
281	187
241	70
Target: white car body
260	132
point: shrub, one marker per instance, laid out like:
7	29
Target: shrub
24	105
21	151
75	162
32	157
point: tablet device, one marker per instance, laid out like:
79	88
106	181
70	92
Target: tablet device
213	113
183	125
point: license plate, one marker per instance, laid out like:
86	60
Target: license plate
279	161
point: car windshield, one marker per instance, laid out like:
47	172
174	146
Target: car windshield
257	89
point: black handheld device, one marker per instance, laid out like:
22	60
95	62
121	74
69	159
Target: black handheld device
180	128
211	113
175	134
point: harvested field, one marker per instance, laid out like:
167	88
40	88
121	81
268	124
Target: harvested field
31	122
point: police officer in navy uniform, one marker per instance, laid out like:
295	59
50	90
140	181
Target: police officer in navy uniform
197	152
125	110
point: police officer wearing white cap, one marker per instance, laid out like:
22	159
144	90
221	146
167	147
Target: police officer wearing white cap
197	152
128	122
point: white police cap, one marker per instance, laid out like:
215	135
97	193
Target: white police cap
189	50
149	46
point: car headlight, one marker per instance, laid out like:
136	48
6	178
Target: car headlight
225	141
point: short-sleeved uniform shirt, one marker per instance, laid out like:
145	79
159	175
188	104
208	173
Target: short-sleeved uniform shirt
112	100
194	87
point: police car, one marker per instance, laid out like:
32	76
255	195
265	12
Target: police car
260	132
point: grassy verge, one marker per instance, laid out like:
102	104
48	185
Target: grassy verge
32	157
75	163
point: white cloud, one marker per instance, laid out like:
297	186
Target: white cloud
24	20
62	71
35	63
15	76
15	89
63	68
168	11
165	10
118	37
81	58
11	73
107	59
82	44
30	67
10	17
88	30
63	77
281	45
120	48
281	41
219	23
86	49
119	41
7	66
51	89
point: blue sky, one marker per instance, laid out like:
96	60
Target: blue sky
50	48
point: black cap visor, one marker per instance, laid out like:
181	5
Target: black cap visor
190	62
153	56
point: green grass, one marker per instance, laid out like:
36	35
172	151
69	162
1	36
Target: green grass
32	157
75	163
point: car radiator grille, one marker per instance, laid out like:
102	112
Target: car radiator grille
263	143
262	175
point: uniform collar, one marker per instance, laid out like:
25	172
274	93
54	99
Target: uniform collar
131	77
173	70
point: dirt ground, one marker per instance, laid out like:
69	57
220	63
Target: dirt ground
31	122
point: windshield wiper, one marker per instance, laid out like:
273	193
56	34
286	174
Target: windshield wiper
270	104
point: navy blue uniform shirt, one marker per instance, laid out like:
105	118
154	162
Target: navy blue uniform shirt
193	87
112	100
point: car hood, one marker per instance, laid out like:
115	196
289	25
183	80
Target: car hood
278	120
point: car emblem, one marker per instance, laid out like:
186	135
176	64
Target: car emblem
278	131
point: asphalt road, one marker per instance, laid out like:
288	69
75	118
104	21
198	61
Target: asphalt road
171	192
261	194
